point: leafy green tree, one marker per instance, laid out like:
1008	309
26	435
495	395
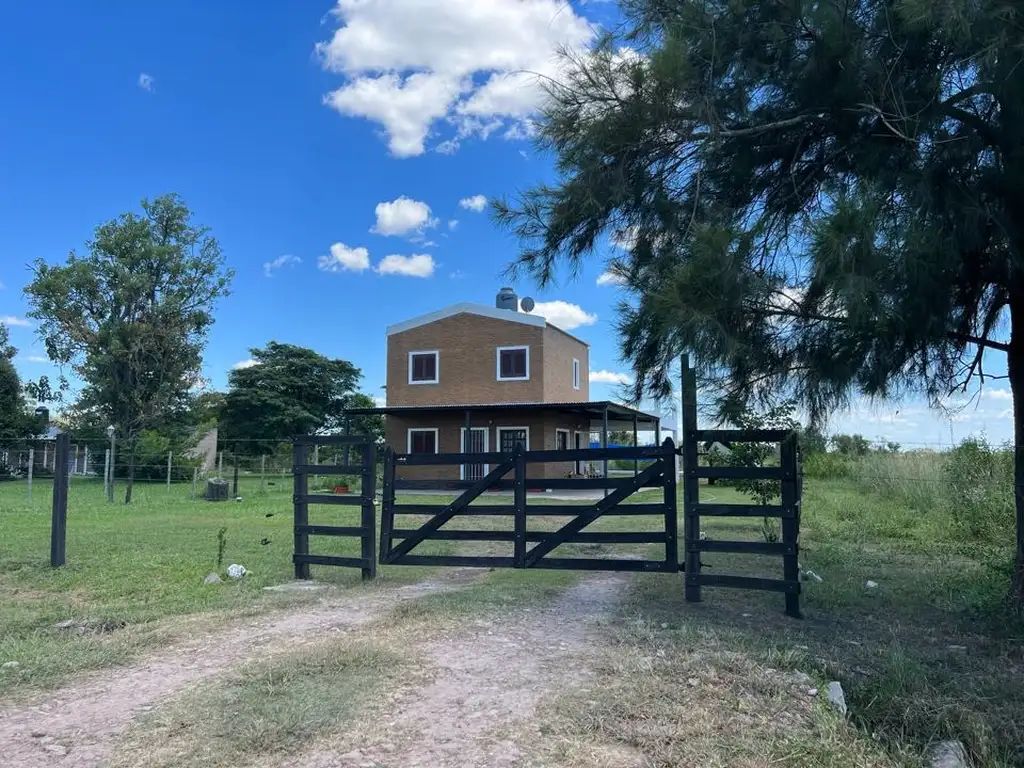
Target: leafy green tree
290	390
7	352
851	445
14	421
820	199
131	316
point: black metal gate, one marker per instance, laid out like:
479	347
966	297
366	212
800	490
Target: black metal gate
508	472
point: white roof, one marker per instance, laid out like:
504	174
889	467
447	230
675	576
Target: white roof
468	308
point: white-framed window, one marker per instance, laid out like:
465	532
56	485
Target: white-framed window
575	373
513	363
422	440
424	366
510	437
561	439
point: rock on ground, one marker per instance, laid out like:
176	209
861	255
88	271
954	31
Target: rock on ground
836	697
213	578
948	754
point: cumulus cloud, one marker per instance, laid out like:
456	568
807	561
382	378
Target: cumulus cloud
610	278
563	314
147	83
416	265
11	320
474	203
402	216
244	364
36	359
345	259
609	377
452	224
475	65
270	267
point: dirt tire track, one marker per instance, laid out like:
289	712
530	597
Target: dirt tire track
77	726
491	677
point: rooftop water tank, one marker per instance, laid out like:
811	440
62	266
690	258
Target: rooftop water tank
507	299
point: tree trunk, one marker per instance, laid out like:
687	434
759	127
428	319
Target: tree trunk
131	475
1015	369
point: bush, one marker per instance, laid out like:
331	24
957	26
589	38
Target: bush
151	451
978	482
826	466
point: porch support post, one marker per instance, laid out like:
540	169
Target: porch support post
657	431
467	442
636	444
604	444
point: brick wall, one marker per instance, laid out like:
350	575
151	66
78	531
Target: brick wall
467	364
560	349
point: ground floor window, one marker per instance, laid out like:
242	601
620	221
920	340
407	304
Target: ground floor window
562	439
423	441
510	437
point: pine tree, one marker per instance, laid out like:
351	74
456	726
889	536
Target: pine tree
821	199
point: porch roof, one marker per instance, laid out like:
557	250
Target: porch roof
594	410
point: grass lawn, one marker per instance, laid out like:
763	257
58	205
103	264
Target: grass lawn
926	654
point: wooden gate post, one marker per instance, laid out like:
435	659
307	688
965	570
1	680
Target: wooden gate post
387	504
369	513
790	525
668	463
691	489
519	501
59	523
300	454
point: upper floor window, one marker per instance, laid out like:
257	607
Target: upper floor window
575	374
513	363
423	367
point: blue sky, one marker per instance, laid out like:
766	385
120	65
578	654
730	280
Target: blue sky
330	148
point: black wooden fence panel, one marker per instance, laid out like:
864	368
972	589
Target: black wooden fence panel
366	531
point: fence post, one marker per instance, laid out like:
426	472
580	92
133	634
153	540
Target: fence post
368	539
316	460
59	522
195	476
106	473
170	456
691	489
519	501
220	465
668	460
387	504
86	469
263	473
31	467
300	455
234	484
790	526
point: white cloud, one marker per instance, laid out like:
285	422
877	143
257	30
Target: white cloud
244	364
36	359
624	239
402	216
609	377
474	203
147	83
416	265
269	267
458	274
380	400
452	224
11	320
345	259
563	314
477	65
997	394
610	278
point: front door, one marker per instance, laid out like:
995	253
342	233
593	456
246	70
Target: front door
510	437
477	444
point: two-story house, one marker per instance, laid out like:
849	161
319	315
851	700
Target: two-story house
476	378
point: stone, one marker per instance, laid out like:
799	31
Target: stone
836	697
871	584
213	578
10	665
66	624
948	754
812	691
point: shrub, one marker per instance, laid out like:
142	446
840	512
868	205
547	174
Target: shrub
826	466
978	483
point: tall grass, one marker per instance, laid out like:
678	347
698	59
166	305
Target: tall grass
970	486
